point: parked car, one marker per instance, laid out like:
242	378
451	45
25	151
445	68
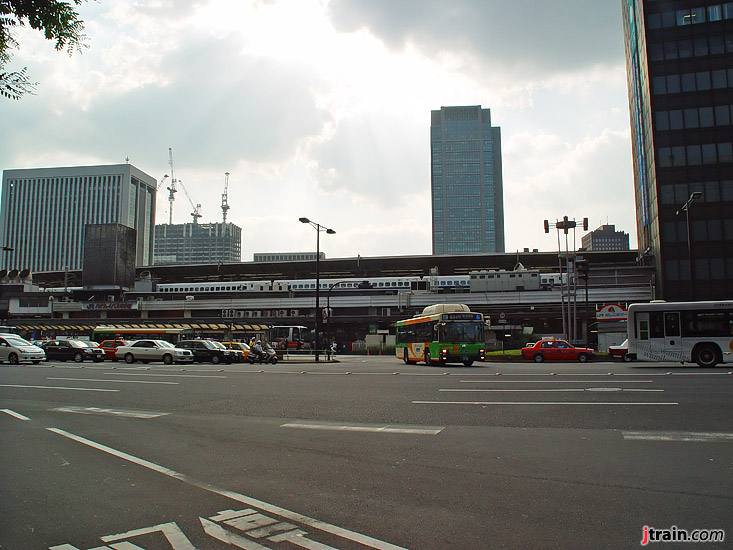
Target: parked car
621	351
207	351
15	350
238	355
154	350
110	348
71	350
558	350
238	346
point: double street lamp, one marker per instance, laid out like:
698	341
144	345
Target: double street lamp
686	208
318	227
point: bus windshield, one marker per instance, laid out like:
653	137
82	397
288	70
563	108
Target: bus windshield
453	331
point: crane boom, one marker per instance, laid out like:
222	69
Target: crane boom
224	198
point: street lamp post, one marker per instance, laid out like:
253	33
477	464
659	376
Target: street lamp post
318	227
686	207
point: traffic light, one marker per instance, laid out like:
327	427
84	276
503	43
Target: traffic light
582	267
585	224
547	226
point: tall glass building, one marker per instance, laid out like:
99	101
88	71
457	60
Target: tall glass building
679	62
197	243
466	182
44	210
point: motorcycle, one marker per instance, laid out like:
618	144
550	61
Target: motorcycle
268	355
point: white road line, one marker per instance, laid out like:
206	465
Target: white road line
282	512
163	375
556	390
14	414
54	388
430	430
679	436
556	381
536	403
112	412
115	381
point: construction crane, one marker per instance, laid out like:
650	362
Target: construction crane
224	197
172	190
196	213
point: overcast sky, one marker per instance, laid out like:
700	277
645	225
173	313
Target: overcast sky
321	108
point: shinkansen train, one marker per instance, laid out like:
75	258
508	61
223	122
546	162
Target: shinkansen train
476	281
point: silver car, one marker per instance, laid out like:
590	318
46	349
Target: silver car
15	349
153	350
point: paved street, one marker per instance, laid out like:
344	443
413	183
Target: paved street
363	453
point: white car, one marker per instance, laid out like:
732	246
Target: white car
153	350
15	349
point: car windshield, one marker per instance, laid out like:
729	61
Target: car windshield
164	344
17	341
217	345
77	344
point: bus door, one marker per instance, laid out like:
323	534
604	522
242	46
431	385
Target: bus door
672	335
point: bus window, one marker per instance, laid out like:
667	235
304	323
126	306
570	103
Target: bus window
656	324
643	330
672	324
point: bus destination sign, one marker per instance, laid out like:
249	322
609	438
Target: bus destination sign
461	317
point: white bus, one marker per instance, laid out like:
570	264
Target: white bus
689	332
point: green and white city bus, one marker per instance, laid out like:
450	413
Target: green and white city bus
442	333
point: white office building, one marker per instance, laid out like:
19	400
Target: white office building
43	212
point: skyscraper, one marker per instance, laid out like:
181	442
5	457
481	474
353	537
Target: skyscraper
679	63
466	181
197	243
44	211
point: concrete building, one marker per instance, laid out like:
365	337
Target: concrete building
679	62
606	238
466	182
197	243
43	212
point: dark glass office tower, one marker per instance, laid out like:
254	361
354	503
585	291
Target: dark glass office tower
679	61
466	184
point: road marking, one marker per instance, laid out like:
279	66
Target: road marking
536	403
679	436
555	381
14	414
112	412
424	430
555	390
282	512
164	375
115	381
54	388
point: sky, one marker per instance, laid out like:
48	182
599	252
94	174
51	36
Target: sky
321	109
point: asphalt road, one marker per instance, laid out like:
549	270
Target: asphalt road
364	453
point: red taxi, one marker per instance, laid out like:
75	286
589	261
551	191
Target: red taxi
557	350
110	348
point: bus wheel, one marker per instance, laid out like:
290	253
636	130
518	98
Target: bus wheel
705	355
468	362
406	357
428	360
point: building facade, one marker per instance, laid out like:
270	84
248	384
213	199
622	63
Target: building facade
197	243
679	62
466	182
286	256
606	238
43	212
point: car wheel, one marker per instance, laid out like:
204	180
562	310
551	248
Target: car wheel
168	359
78	357
406	357
215	359
428	360
582	358
13	359
626	358
538	358
129	358
706	356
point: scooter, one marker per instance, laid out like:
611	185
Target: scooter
268	356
